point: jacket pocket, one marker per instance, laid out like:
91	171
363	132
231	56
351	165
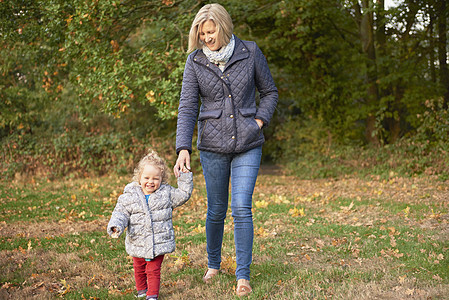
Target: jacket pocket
248	112
206	133
210	114
250	130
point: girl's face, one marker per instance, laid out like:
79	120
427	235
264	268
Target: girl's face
208	35
151	179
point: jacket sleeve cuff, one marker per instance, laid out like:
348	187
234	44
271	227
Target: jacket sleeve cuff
183	148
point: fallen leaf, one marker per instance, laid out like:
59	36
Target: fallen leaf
393	242
199	229
294	212
261	204
347	208
437	277
319	243
91	280
409	292
406	211
392	230
261	232
229	264
65	287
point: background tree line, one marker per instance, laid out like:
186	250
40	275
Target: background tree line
87	85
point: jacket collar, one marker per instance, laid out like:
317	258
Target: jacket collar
240	52
134	187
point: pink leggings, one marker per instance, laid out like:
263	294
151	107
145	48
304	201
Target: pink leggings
148	274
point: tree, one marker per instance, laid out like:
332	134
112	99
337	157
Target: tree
364	17
31	65
376	73
111	54
442	13
125	51
358	71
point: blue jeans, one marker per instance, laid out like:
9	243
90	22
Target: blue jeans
242	169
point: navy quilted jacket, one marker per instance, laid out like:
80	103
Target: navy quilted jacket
226	119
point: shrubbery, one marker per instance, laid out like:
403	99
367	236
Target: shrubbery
348	103
68	140
310	150
78	153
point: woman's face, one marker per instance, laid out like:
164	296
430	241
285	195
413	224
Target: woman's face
208	35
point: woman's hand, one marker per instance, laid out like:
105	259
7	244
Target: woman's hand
182	163
259	122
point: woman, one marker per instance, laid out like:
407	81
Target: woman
224	73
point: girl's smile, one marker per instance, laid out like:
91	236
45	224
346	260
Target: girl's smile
150	180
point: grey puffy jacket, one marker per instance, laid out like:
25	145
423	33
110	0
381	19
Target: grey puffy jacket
150	229
226	120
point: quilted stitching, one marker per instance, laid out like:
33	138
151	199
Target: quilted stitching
228	91
149	226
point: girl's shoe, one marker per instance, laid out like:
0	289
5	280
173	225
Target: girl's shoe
141	294
209	274
243	288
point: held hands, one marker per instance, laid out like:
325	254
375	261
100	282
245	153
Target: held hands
182	163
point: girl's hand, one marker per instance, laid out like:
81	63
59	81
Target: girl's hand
115	234
182	163
259	122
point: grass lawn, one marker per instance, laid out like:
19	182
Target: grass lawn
346	238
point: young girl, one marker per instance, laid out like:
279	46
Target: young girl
145	207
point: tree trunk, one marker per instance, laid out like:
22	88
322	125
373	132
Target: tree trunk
433	74
442	12
392	124
367	38
380	22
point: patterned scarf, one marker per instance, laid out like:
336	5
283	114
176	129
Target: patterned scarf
222	56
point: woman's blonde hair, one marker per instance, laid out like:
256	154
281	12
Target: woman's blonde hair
217	14
151	158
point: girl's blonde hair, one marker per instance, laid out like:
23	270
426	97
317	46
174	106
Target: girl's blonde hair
216	13
151	158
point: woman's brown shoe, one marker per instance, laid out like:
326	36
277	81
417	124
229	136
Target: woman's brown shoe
209	274
243	288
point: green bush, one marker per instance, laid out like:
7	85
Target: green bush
310	150
78	154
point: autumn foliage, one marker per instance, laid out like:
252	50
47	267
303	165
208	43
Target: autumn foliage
350	238
86	83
